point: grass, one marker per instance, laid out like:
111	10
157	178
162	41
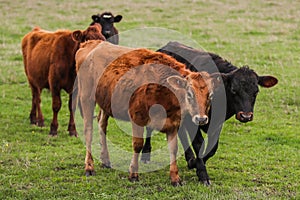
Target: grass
258	160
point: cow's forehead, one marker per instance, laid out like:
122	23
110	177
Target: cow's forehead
107	16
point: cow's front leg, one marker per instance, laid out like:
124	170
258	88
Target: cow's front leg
198	163
137	144
173	148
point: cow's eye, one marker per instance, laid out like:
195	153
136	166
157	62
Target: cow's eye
210	96
190	95
233	91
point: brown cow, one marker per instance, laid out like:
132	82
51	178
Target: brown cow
49	61
179	92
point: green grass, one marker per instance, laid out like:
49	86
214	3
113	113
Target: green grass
258	160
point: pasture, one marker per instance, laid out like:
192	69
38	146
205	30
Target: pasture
257	160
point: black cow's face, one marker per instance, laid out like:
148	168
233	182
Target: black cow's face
107	21
242	89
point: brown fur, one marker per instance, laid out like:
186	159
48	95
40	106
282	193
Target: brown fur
140	78
49	62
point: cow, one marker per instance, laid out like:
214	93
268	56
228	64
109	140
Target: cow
241	88
49	62
169	84
107	20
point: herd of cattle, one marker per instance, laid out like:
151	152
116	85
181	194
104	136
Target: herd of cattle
128	83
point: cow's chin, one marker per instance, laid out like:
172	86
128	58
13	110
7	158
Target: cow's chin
244	117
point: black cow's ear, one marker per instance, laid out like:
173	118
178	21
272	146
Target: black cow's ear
95	18
118	18
77	36
267	81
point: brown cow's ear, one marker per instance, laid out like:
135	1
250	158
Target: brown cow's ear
177	82
217	79
118	18
267	81
77	36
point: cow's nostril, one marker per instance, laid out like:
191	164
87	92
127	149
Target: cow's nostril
200	120
245	116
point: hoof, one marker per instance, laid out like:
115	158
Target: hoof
53	134
134	178
73	133
145	158
176	183
107	166
40	123
206	183
90	173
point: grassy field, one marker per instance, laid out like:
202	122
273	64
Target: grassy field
258	160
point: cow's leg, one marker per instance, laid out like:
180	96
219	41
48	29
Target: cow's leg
211	153
36	100
87	110
188	152
137	144
56	105
146	152
104	156
173	148
71	127
198	163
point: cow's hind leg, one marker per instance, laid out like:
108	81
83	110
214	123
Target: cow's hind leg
173	148
56	105
87	112
146	152
103	121
71	127
137	143
36	100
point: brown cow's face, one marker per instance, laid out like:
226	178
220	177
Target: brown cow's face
93	32
196	93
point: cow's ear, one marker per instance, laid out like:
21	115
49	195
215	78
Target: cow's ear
118	18
77	36
95	18
177	82
267	81
217	79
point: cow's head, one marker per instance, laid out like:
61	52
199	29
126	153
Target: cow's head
242	89
93	32
196	90
107	20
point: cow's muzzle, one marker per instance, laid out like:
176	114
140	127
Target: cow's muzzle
200	120
244	116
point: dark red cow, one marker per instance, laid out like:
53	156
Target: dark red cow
49	61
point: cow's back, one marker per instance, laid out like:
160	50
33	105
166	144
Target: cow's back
134	83
91	60
41	49
197	60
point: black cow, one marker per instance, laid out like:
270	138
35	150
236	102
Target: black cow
107	20
241	88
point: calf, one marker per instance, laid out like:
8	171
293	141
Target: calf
241	89
165	81
49	62
107	20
